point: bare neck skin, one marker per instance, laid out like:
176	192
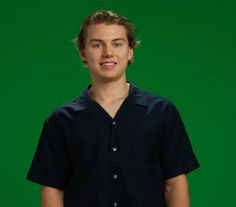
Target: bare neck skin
109	93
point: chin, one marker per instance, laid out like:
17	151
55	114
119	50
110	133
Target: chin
108	79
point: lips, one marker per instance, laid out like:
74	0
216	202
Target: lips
108	64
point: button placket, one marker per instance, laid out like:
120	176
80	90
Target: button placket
114	174
114	148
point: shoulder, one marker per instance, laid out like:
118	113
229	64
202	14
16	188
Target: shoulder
164	108
158	102
66	111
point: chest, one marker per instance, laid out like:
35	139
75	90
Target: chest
133	133
111	108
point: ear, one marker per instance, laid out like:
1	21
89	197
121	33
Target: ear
82	55
131	53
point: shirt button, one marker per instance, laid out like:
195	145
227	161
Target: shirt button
114	123
115	204
114	176
114	149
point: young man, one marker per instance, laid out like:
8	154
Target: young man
115	145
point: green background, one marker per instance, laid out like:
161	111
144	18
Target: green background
187	54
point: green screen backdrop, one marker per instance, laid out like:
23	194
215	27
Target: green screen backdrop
187	54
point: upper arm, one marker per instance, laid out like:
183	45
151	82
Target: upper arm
178	180
177	156
51	197
176	191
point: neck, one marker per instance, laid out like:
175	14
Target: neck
110	91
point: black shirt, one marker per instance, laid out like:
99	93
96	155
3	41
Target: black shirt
122	161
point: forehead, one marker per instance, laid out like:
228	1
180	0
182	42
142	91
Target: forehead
106	31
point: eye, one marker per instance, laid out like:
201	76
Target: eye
96	45
118	44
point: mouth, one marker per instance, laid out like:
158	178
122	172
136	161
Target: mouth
108	64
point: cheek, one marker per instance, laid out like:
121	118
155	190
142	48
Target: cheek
92	57
95	54
127	53
124	54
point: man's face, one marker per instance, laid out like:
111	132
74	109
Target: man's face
106	52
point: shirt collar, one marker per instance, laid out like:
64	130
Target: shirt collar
136	95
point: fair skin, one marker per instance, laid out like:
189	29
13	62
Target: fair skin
51	197
106	54
176	192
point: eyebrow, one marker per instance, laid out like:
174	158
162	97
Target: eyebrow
114	40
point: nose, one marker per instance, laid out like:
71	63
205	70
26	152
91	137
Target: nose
107	52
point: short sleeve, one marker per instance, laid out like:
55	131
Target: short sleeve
50	163
177	154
